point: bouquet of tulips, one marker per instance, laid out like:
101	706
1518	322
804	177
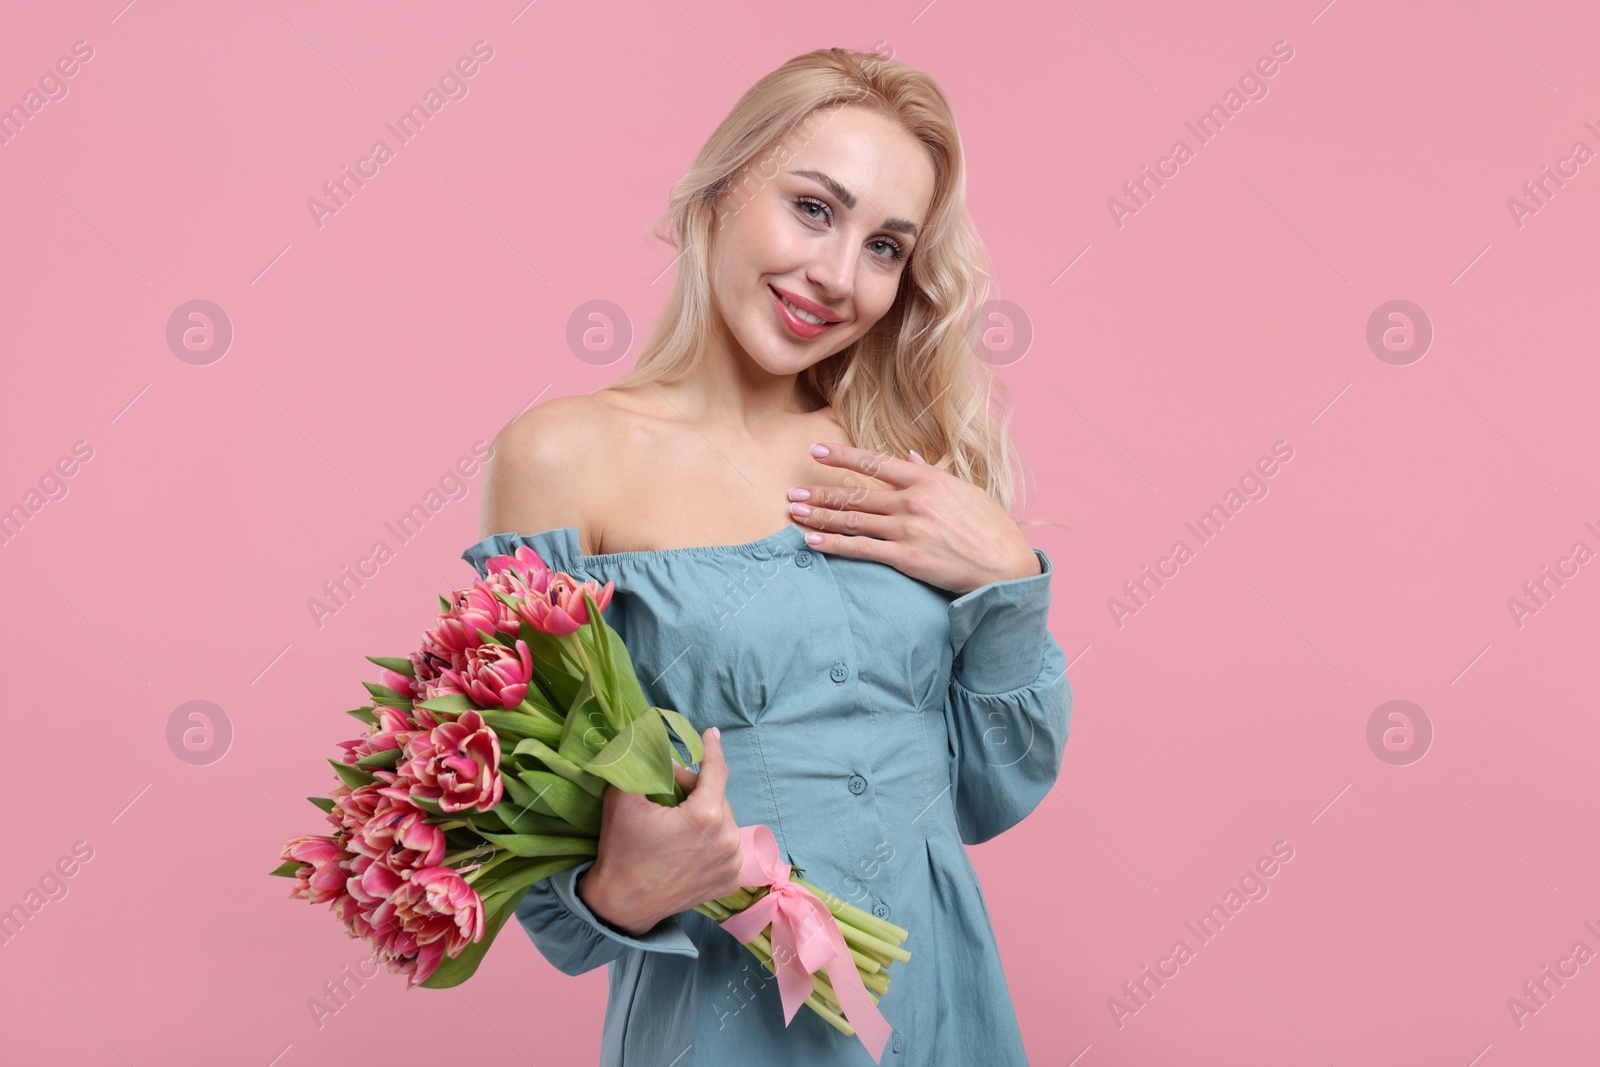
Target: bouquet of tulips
481	772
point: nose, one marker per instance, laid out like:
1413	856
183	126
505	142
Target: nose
833	268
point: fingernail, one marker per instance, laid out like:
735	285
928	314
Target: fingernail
799	509
813	538
914	453
799	494
819	450
675	762
716	731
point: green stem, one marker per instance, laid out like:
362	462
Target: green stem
505	854
450	859
880	928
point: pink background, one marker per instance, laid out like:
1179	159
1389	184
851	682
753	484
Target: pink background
1230	312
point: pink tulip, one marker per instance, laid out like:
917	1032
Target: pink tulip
471	610
438	903
399	835
321	878
527	568
392	730
562	609
352	808
496	675
429	661
401	684
458	764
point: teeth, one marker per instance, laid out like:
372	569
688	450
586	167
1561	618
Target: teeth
803	316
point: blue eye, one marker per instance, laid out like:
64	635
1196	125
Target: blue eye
897	250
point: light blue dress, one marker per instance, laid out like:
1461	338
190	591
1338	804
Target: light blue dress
873	722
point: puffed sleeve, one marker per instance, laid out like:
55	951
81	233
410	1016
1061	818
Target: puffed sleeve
566	933
576	940
1009	705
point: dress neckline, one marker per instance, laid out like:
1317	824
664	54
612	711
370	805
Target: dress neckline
790	532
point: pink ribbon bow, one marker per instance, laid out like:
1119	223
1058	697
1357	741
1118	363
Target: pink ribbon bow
797	917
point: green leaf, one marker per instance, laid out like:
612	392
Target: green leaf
431	806
395	663
322	802
364	713
563	799
523	820
514	876
444	603
559	764
586	730
351	775
386	757
686	733
629	697
516	725
495	637
386	696
540	845
287	869
639	759
448	702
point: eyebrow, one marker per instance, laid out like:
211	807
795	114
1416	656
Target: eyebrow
848	199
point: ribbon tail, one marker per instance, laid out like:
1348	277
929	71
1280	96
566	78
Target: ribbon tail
865	1018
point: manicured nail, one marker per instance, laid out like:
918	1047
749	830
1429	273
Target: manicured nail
813	538
799	494
799	509
819	450
716	731
919	458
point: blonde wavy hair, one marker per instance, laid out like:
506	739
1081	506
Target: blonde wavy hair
913	380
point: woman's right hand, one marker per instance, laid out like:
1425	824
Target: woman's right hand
655	861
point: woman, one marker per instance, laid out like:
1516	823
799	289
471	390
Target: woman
876	680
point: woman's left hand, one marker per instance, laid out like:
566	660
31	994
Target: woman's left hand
930	525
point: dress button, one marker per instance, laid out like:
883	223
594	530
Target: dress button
957	663
880	909
802	558
857	784
896	1043
839	672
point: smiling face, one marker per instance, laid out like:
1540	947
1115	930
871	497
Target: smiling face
832	232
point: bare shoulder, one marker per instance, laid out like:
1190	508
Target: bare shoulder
542	463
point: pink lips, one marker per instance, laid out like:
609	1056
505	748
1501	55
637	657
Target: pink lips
798	327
